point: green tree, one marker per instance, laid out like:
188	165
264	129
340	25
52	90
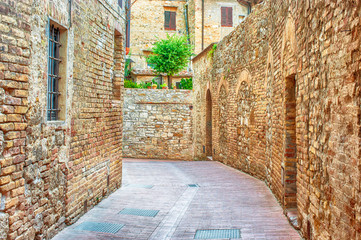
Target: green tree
170	55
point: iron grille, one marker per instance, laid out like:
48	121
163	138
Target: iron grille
217	234
53	74
193	185
139	212
100	227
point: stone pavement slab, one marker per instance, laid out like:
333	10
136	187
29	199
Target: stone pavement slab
224	198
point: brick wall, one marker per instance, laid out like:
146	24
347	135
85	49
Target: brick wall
96	132
14	89
158	124
285	97
53	172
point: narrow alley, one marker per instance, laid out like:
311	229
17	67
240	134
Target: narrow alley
184	200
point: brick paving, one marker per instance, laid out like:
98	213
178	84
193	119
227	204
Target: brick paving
224	199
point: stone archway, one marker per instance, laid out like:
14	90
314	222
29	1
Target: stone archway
223	135
245	105
269	89
208	124
289	164
290	152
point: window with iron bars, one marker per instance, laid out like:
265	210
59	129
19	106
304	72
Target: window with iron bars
53	74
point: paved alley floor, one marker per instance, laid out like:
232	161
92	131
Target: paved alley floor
184	200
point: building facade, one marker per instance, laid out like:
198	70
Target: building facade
212	20
61	83
204	22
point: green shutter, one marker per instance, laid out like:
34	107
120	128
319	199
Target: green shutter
166	20
173	23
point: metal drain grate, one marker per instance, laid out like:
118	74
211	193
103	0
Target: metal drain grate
100	227
193	185
139	212
140	186
217	234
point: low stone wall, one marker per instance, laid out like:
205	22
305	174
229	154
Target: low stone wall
157	124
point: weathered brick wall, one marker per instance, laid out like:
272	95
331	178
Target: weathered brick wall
14	86
96	126
158	124
285	96
51	170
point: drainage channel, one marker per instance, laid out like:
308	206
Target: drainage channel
167	227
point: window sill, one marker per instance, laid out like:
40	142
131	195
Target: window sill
56	123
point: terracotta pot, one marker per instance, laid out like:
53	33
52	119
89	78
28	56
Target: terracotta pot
154	87
149	87
164	87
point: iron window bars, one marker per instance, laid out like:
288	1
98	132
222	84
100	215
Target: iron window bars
53	74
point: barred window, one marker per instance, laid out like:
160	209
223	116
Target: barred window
56	73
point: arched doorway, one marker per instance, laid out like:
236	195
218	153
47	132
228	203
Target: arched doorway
222	124
209	124
245	106
290	153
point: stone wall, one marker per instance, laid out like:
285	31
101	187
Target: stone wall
54	171
283	93
158	124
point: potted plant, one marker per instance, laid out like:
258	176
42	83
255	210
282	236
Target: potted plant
164	86
154	86
148	85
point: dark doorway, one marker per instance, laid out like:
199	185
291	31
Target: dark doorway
209	124
289	171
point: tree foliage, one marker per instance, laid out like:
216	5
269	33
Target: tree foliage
170	55
186	83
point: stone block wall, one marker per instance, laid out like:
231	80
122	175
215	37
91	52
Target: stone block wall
158	124
51	172
283	93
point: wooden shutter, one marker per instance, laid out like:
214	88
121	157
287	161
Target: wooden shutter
230	17
173	23
170	20
166	20
223	16
226	16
